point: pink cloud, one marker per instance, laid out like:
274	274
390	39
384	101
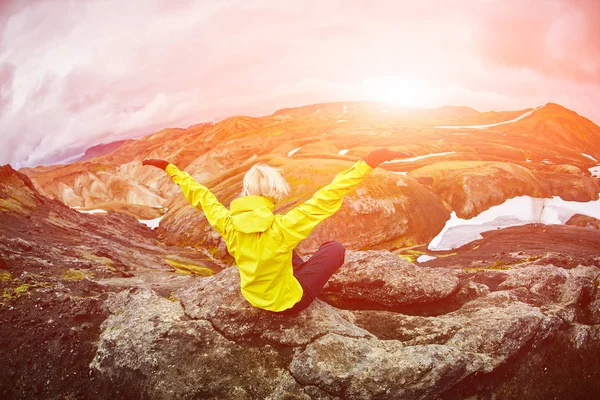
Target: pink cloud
556	38
7	74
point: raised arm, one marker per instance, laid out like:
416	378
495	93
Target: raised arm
197	195
299	222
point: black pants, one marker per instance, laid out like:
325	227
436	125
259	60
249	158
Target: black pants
314	273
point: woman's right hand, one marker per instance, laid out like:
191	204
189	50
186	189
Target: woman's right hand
162	164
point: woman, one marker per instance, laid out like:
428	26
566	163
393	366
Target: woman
272	276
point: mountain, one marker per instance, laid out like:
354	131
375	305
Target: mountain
101	149
44	236
466	161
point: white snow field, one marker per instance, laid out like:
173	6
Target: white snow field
520	210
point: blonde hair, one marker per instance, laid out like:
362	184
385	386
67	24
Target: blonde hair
266	181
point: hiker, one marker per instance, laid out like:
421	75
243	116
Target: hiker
272	276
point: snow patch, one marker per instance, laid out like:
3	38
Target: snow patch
418	157
345	109
97	211
151	223
517	211
424	258
520	117
595	171
342	152
291	153
588	156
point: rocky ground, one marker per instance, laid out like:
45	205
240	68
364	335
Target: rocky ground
562	245
123	323
57	267
509	334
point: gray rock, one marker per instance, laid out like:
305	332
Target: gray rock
148	344
214	344
139	318
495	333
218	299
411	330
383	278
471	291
365	369
593	308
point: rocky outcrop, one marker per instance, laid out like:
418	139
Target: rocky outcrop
56	268
97	300
471	187
219	301
329	353
40	235
584	221
382	279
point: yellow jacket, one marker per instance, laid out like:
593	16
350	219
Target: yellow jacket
262	242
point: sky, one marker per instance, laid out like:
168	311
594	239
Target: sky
77	73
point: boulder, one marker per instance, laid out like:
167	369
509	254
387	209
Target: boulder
366	369
385	279
218	299
212	343
150	345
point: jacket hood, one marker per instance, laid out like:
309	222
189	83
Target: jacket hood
252	214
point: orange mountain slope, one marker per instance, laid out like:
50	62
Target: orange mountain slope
466	161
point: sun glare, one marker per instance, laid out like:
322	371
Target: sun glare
411	93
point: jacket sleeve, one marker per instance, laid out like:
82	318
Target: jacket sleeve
200	197
299	222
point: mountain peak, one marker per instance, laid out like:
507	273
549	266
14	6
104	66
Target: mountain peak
11	177
17	192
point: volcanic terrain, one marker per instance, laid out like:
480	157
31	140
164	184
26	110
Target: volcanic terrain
100	305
